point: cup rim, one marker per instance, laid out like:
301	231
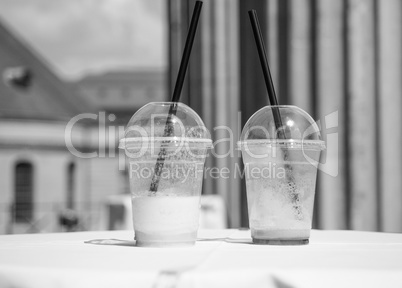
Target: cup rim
284	143
133	142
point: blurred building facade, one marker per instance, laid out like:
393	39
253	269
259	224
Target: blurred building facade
122	92
59	160
40	177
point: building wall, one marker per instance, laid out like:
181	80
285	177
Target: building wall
105	181
43	145
49	187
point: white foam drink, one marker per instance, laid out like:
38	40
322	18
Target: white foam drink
165	220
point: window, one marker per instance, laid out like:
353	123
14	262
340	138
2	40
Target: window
70	185
125	189
23	202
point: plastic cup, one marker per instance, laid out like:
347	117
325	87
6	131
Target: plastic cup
168	216
280	174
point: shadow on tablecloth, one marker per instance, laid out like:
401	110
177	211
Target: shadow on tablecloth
118	242
115	242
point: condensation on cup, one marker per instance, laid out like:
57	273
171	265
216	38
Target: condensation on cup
280	174
165	168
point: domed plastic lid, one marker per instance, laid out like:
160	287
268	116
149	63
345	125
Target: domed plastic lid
297	129
165	122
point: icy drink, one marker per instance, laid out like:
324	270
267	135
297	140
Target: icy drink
280	175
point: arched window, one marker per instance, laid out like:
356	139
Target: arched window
70	185
23	201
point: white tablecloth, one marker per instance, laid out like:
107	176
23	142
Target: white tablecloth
220	258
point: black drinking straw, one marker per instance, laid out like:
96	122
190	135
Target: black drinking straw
176	94
273	100
275	110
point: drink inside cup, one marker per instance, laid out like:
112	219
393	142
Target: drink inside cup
280	175
173	221
170	215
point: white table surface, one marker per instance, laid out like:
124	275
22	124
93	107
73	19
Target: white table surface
220	258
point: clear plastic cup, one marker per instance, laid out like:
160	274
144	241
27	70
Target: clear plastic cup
280	174
166	157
